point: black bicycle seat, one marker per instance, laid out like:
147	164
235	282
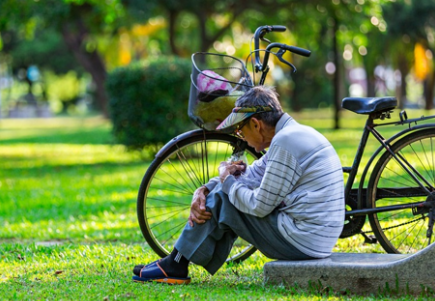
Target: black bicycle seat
368	105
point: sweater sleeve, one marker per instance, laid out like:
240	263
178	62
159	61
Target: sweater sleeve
212	183
281	174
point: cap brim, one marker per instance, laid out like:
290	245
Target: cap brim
233	119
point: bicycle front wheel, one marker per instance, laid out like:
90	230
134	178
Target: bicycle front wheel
403	230
166	191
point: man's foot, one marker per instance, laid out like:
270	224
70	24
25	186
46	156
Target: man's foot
172	269
154	273
139	267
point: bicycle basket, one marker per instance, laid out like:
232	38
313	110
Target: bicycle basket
216	82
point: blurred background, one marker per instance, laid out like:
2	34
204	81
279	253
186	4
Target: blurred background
57	56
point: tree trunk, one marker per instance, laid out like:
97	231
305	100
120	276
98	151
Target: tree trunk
429	84
172	21
202	31
404	69
370	78
337	76
371	86
74	34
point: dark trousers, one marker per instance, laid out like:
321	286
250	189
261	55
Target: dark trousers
209	244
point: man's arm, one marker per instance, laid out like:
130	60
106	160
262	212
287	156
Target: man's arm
198	212
281	174
212	183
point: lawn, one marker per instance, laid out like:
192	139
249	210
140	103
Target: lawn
69	227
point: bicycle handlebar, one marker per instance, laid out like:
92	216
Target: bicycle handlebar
297	50
259	35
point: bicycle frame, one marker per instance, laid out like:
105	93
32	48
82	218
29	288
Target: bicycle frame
360	192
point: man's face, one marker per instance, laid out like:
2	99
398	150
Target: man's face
250	132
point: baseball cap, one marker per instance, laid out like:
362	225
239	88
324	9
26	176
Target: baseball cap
239	114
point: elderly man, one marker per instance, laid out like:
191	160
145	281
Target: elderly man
289	204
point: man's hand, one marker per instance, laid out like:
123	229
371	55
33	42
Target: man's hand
198	213
226	169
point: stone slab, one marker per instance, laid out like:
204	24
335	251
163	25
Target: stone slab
359	273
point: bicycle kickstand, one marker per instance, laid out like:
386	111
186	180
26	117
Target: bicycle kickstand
369	239
430	224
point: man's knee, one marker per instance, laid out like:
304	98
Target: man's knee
214	200
223	211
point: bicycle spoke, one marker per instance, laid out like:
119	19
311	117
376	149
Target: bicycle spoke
157	224
174	229
165	201
151	217
397	182
425	156
407	231
167	190
416	172
194	180
187	188
186	192
167	206
415	238
391	184
433	161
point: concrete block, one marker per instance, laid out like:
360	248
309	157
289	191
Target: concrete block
359	273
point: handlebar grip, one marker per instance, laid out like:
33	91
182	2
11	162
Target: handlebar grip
278	28
297	50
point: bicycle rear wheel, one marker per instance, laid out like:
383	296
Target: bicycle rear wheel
166	191
404	230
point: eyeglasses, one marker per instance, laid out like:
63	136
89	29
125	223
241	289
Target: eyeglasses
238	132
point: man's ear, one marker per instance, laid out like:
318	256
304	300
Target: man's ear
256	123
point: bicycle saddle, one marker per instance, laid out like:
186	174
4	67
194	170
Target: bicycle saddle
368	105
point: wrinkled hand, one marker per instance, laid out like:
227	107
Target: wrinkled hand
198	213
226	169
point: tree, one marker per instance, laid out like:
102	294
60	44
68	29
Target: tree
77	21
413	22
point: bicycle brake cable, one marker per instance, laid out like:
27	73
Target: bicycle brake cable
279	55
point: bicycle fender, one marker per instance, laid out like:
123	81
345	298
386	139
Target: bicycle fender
194	133
381	148
173	142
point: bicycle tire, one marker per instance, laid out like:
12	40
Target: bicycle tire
166	191
402	231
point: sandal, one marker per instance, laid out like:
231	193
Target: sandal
138	268
154	273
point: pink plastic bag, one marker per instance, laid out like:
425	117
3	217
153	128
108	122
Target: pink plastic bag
209	81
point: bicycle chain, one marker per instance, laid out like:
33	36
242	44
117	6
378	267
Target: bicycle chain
388	228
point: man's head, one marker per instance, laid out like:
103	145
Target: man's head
266	97
255	116
261	102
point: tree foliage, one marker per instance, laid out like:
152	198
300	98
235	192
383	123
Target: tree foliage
347	33
76	21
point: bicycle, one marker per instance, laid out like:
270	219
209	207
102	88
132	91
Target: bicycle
391	204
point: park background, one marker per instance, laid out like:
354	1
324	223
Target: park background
68	179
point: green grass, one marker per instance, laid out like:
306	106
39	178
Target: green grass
68	219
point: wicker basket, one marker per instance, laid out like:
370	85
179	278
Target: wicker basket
216	82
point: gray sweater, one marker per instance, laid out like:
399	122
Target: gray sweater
301	175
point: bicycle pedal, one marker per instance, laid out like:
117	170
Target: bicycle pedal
369	239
